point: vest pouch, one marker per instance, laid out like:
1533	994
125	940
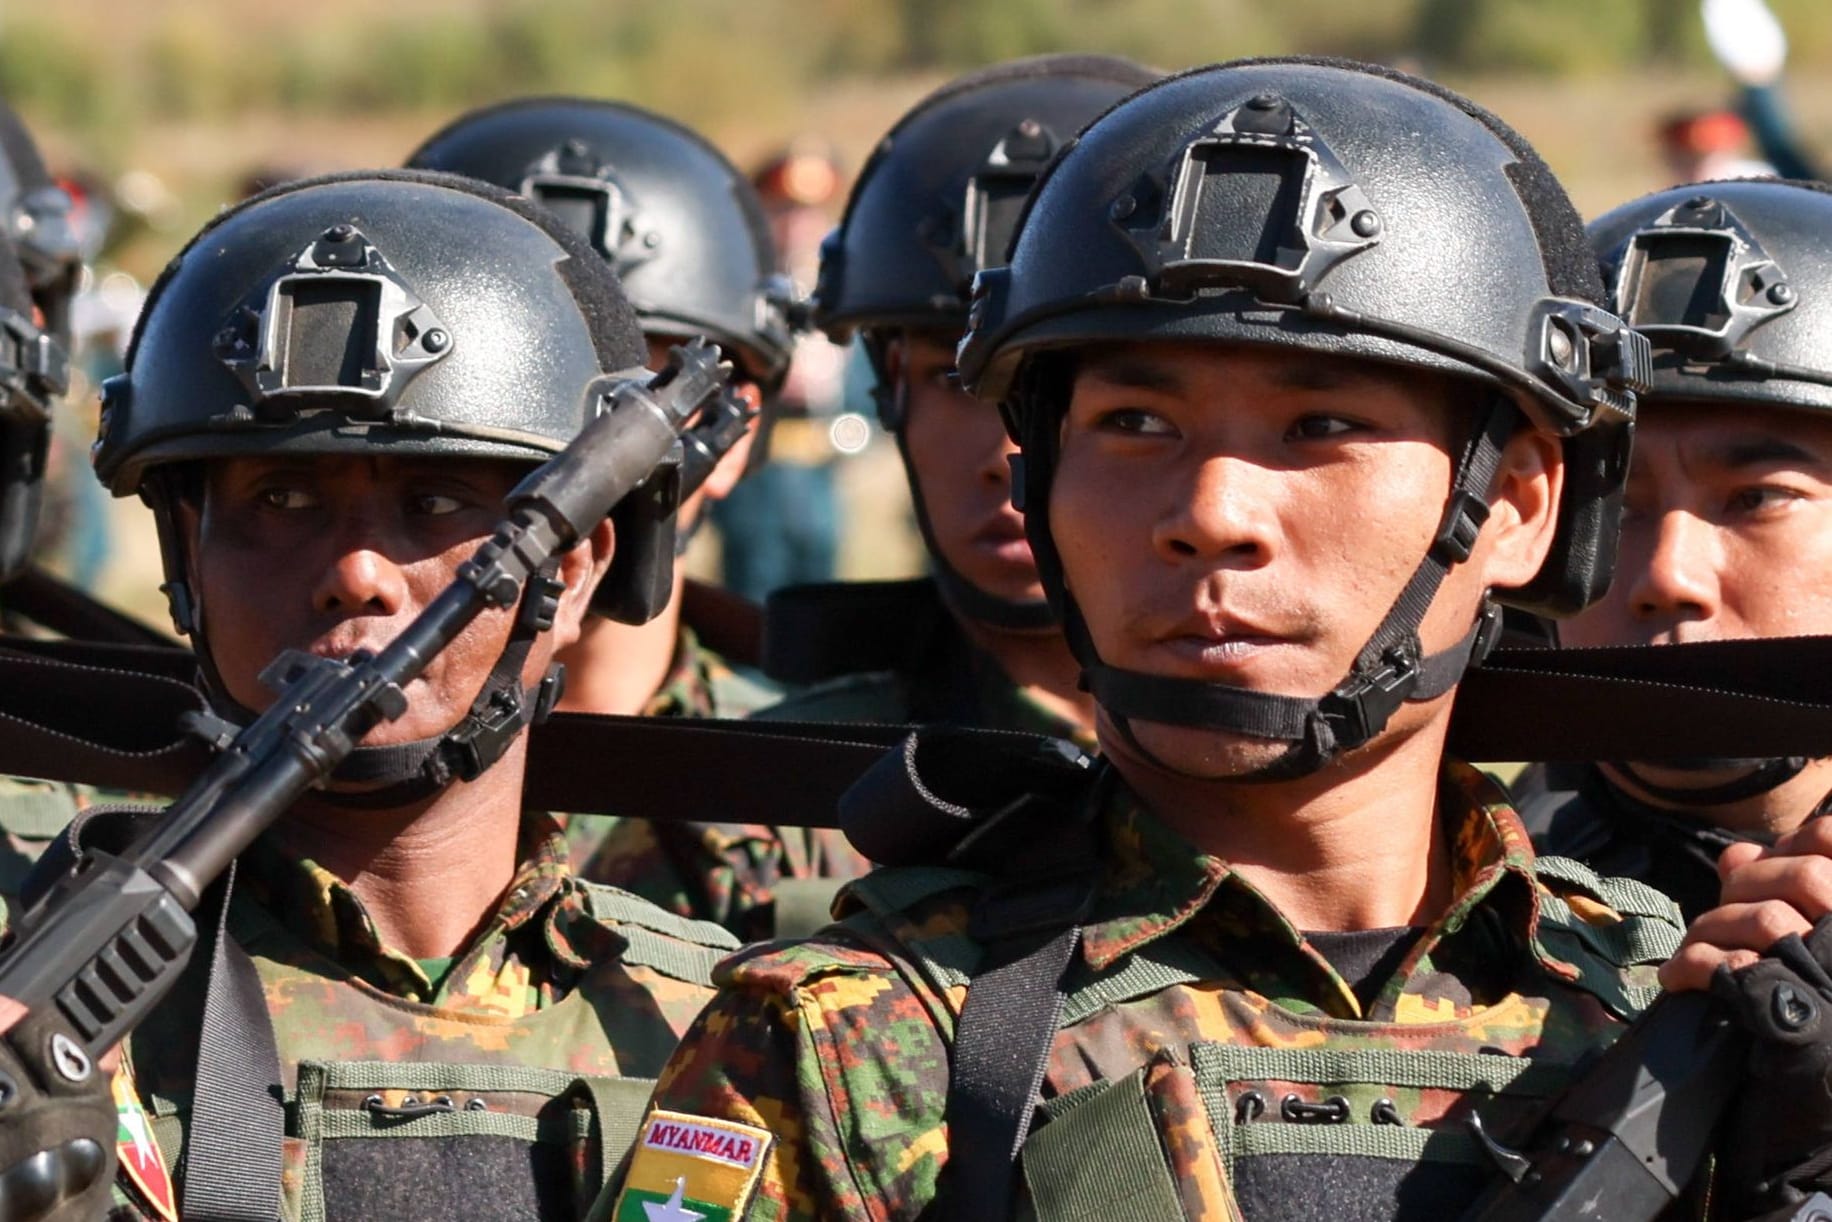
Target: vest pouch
1362	1133
410	1141
1136	1147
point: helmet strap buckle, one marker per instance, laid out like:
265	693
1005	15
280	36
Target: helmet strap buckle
1464	514
1361	707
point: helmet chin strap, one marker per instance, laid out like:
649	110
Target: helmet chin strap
404	773
1391	669
1758	776
961	595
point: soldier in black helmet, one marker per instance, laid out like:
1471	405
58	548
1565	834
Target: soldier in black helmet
1307	362
976	644
39	270
935	204
327	397
1727	523
687	237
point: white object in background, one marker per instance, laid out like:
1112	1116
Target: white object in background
1746	38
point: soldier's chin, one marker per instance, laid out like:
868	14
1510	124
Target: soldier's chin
1210	755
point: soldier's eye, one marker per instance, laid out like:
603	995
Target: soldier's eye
1760	498
1136	421
433	504
1317	426
286	498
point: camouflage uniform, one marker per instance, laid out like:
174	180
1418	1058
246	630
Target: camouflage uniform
1574	811
565	980
1196	1001
32	813
735	873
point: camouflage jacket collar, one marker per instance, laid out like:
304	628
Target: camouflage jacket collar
1157	883
521	959
1006	705
688	689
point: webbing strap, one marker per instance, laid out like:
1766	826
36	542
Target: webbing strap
109	715
618	1104
1002	1047
232	1155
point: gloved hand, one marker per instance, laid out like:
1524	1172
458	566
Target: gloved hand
1776	1143
57	1124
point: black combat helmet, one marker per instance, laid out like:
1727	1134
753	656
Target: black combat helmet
682	228
1337	208
936	204
35	214
1731	282
396	312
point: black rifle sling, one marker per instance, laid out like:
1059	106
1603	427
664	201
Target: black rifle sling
109	715
233	1148
1021	811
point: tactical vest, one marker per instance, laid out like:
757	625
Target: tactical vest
469	1114
1363	1118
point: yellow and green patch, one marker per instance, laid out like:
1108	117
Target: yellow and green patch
692	1169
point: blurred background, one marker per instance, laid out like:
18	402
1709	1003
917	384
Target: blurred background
158	112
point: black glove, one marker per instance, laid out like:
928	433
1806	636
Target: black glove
1776	1144
57	1127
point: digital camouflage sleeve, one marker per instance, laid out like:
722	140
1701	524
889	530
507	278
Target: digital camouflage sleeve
1195	994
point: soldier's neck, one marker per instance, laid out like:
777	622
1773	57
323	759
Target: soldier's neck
1774	813
429	876
1041	663
617	668
1355	846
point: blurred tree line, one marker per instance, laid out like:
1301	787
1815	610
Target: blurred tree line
98	74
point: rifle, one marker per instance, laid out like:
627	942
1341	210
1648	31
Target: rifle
1625	1140
100	949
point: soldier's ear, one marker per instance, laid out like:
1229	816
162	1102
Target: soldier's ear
581	569
1524	512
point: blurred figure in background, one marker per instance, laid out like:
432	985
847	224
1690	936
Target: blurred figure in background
781	526
1749	42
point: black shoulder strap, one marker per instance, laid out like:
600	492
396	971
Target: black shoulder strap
1021	812
822	631
111	715
233	1149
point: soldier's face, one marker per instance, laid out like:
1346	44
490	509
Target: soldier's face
959	451
1248	516
335	554
1726	529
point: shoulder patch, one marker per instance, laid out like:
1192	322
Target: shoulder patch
692	1169
137	1151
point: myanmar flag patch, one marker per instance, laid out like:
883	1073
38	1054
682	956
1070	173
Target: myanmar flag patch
137	1152
692	1169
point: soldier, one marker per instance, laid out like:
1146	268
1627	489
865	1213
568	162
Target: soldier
327	397
1727	517
975	645
39	268
687	237
1305	359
